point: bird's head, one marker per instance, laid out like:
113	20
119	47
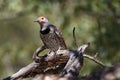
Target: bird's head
42	20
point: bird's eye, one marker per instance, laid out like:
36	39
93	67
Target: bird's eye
42	18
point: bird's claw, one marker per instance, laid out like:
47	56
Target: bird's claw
36	58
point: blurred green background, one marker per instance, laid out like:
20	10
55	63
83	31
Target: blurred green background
96	21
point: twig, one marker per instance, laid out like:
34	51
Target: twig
94	59
90	57
96	55
83	47
74	37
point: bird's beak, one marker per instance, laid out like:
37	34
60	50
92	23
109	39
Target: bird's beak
36	20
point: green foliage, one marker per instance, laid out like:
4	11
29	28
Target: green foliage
97	22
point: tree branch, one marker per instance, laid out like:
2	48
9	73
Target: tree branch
94	59
67	63
52	65
74	37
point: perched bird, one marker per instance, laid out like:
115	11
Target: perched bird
51	37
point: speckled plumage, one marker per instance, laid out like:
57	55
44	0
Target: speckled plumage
53	39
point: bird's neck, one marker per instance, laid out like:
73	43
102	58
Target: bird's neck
44	29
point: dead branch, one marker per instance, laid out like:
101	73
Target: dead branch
74	37
94	59
52	65
73	65
85	55
67	63
90	57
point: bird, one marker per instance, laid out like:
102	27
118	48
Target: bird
51	37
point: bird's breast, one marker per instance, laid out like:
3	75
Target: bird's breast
51	41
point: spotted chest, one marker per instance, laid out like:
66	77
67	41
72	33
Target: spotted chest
50	40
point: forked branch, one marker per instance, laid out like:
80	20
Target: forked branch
85	55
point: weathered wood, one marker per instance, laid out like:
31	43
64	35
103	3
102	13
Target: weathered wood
66	61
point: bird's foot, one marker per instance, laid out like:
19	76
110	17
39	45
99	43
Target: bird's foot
36	59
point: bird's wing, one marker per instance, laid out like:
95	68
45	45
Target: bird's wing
60	37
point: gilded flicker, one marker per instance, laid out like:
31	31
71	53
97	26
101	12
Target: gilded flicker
50	35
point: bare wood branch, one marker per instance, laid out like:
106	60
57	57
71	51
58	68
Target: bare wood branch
90	57
96	55
48	64
74	37
73	65
94	59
